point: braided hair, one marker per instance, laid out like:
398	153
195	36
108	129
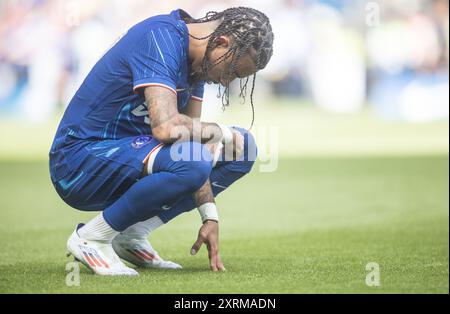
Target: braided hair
250	29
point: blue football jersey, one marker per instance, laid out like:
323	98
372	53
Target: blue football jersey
110	104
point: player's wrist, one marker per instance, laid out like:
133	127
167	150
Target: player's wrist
208	211
227	134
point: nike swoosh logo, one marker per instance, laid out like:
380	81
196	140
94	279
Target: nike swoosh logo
65	185
166	207
217	185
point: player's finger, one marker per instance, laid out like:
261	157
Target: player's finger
213	259
208	247
219	263
213	263
196	247
220	266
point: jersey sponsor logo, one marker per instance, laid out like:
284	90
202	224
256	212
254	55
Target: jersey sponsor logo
141	141
142	111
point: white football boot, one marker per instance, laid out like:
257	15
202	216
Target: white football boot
138	251
98	256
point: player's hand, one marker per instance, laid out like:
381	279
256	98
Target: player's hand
209	234
235	151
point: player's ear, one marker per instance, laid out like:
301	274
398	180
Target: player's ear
222	42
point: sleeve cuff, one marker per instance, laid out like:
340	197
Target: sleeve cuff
154	82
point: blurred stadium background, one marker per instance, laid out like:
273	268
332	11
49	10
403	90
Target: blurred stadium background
382	66
357	92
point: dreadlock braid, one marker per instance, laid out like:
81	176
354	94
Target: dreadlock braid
250	29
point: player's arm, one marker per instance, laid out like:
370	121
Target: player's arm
168	125
164	118
209	231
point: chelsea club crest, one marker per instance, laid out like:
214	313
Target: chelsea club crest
141	141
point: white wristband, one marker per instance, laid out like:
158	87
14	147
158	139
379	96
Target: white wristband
227	135
208	211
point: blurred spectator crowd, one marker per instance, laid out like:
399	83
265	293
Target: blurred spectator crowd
343	55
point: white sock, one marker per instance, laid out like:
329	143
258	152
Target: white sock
98	230
143	229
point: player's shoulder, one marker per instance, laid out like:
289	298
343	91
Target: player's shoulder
171	23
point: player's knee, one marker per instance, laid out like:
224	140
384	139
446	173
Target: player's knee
200	172
246	162
194	173
194	164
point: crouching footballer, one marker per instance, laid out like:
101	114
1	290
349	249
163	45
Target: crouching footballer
131	144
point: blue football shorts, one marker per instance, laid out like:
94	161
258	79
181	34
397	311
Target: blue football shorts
91	175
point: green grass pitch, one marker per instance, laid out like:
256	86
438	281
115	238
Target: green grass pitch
310	227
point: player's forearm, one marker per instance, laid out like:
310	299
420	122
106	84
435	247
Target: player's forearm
204	194
204	199
181	127
169	125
